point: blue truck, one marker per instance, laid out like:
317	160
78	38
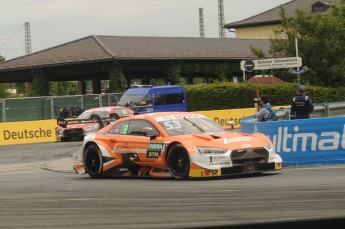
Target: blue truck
147	99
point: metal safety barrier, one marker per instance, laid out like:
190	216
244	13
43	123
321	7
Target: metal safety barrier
325	109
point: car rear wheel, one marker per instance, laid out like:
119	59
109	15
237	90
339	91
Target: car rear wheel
178	162
65	139
93	161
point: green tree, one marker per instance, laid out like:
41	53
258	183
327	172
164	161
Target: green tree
63	88
21	88
117	82
3	90
40	86
220	71
3	87
72	87
321	44
172	73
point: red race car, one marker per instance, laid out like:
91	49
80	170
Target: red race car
173	144
90	121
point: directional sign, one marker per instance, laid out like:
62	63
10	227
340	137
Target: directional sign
274	63
298	71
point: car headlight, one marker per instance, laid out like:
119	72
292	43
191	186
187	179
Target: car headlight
211	151
268	146
91	128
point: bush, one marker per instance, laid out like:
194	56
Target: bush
228	95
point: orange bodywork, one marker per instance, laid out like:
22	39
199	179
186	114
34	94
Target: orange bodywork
173	144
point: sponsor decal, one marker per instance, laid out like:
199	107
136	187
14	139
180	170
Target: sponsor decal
156	146
125	129
27	132
155	149
153	154
291	141
204	172
210	172
218	160
219	157
188	116
221	163
237	139
180	116
222	122
128	150
246	145
122	169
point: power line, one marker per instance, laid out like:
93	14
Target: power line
215	17
12	36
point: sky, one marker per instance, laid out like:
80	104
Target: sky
54	22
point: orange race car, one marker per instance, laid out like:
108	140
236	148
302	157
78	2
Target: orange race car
173	144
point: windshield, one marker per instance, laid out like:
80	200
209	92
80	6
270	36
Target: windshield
126	99
87	114
190	126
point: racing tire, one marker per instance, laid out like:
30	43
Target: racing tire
93	162
65	139
178	162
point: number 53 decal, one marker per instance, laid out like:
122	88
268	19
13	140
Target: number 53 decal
170	125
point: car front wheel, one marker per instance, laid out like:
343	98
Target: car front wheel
178	162
93	161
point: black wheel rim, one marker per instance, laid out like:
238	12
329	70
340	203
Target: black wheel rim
179	163
92	161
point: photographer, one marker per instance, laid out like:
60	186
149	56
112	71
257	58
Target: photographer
265	110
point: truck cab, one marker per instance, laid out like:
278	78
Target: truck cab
147	99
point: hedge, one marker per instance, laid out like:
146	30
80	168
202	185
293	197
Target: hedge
228	95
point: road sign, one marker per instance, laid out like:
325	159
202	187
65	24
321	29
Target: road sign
297	72
249	65
273	63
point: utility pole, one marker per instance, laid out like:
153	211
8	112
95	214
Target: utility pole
296	45
221	20
201	23
27	38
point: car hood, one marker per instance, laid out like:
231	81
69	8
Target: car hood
79	125
227	140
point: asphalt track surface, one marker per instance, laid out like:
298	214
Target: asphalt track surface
38	189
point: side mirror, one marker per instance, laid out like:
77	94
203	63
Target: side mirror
96	118
114	116
149	132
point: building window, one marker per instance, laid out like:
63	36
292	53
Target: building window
319	7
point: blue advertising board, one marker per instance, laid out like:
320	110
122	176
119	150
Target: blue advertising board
305	141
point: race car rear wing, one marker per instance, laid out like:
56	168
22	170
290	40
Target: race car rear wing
93	119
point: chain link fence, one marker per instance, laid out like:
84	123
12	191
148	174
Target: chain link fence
51	107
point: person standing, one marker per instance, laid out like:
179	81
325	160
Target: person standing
301	105
265	110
